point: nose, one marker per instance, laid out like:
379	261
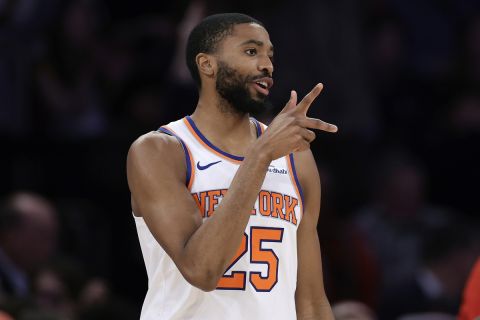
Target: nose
265	65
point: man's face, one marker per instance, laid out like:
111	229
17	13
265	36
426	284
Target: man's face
244	72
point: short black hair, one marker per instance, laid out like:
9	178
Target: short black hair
208	33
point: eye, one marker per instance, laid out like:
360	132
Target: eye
271	58
251	52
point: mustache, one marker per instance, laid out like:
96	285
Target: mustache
265	74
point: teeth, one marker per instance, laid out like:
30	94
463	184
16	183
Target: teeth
262	84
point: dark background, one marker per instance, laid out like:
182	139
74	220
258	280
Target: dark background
81	80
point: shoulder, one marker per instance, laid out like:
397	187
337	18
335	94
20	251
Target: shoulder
155	149
154	143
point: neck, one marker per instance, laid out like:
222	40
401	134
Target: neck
218	121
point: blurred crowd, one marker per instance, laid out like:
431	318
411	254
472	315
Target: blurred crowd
81	79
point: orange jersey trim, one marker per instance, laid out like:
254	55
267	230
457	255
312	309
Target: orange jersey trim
207	146
295	182
189	158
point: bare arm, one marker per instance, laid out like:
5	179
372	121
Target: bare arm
200	250
310	298
203	250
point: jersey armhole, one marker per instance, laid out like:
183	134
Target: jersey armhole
260	127
190	175
294	178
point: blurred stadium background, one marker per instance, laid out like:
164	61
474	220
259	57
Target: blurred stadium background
81	79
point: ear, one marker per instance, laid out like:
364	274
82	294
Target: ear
206	64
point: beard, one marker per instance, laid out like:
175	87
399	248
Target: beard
233	88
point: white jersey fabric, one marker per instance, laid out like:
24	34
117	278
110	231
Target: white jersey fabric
261	281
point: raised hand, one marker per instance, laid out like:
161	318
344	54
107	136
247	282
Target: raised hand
289	131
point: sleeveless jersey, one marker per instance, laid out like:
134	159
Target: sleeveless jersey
261	280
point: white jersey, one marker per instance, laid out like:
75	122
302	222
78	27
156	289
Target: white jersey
260	283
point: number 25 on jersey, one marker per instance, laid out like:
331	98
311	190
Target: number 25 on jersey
258	255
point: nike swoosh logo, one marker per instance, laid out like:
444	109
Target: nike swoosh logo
200	167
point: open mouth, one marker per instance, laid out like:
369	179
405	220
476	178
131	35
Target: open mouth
263	85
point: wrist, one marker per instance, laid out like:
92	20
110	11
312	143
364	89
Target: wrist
260	152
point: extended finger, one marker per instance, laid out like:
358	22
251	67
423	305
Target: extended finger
306	102
313	123
291	103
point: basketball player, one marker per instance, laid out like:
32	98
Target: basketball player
226	209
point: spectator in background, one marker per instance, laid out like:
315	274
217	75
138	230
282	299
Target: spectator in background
451	155
394	223
28	239
349	263
63	289
72	105
470	308
57	288
36	284
436	285
22	27
5	316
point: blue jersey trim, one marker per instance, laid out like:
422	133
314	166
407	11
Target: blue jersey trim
294	171
204	139
257	125
185	150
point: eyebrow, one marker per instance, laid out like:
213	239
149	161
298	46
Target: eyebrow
256	42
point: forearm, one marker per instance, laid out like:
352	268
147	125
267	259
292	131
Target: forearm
315	309
211	247
322	311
